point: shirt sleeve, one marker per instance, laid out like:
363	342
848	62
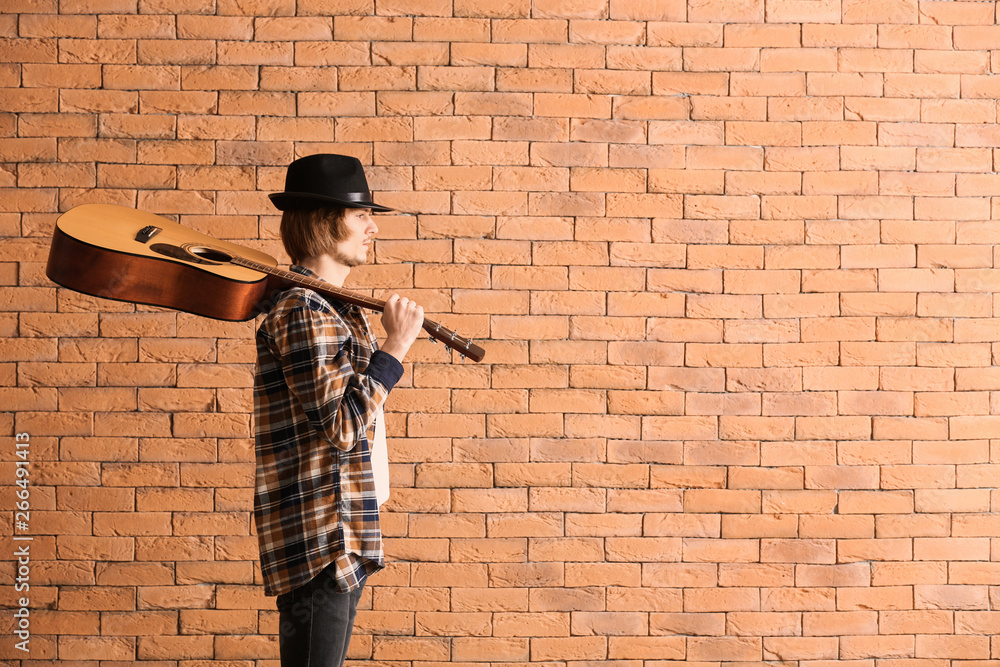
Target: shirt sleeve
338	401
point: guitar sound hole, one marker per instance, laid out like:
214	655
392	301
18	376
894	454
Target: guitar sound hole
210	254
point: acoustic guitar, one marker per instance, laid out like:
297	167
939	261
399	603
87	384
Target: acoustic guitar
119	253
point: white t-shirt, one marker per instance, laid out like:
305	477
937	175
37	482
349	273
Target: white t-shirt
380	459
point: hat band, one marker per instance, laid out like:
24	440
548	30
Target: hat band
285	201
360	197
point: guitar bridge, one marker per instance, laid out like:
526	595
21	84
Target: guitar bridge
146	233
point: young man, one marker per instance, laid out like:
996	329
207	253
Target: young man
319	389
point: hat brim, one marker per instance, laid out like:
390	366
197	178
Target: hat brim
287	201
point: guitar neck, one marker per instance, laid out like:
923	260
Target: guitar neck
290	279
286	278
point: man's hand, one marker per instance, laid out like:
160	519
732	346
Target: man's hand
402	320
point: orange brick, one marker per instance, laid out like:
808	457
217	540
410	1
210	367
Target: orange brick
836	34
889	574
905	622
952	646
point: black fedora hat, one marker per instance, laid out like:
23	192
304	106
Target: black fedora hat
325	179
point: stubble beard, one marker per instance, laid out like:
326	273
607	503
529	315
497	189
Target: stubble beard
349	261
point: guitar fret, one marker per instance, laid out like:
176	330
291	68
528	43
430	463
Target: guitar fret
446	334
374	304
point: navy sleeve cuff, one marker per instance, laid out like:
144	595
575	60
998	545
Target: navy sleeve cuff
385	369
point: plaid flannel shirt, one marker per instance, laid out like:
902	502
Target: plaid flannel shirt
319	382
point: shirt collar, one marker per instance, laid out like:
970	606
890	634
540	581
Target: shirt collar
341	307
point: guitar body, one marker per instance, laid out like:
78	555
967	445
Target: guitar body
95	251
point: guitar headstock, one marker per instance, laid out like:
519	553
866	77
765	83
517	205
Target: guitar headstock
464	346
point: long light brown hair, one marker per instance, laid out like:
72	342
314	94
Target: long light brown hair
311	232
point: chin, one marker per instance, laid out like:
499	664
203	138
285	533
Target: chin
345	259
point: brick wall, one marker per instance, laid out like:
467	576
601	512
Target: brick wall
732	260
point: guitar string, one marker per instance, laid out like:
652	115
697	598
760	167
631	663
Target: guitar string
447	335
374	304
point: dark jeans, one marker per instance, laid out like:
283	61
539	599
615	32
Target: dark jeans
315	623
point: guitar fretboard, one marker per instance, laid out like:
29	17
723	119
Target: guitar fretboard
464	346
312	283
